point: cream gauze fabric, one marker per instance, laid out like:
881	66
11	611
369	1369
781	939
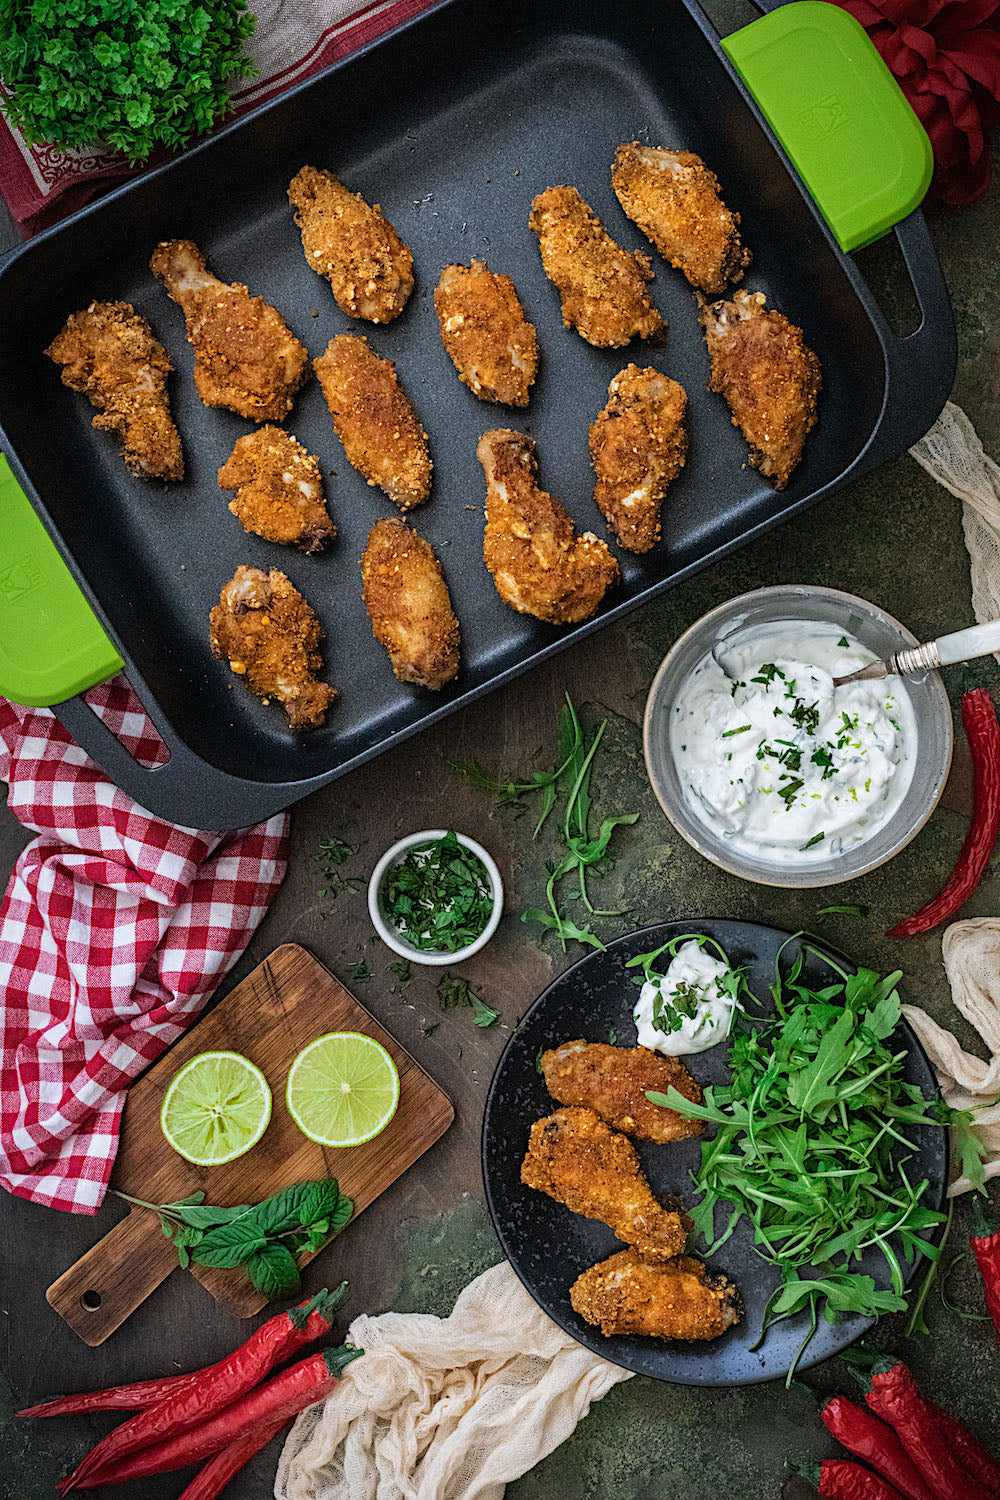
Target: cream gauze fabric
445	1408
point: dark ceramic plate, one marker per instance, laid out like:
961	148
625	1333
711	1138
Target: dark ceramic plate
548	1246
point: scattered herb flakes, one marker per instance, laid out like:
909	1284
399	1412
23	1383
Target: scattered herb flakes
482	1014
403	970
817	838
332	854
844	911
453	991
538	1058
429	1029
438	896
360	972
612	1037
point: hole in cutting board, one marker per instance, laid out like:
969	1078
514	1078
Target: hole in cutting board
90	1301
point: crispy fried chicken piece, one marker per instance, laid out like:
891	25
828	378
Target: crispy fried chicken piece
279	490
602	286
409	605
375	421
676	202
358	251
539	565
268	634
245	357
110	354
491	343
638	445
679	1300
768	377
612	1081
581	1162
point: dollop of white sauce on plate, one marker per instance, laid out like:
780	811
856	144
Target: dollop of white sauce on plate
781	764
684	1011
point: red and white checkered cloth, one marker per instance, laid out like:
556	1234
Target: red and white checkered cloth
115	929
292	40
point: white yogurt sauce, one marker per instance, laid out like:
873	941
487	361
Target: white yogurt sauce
782	765
683	1010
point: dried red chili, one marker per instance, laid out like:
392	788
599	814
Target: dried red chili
968	1449
862	1434
983	733
985	1242
211	1480
839	1479
894	1397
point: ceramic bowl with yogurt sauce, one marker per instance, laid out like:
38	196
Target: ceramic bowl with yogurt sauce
771	772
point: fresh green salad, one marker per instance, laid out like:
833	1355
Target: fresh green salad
438	897
812	1145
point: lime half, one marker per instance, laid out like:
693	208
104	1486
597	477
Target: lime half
342	1089
216	1108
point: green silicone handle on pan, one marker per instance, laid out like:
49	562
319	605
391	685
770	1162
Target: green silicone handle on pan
838	112
51	644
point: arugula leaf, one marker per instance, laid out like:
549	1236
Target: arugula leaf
971	1150
273	1272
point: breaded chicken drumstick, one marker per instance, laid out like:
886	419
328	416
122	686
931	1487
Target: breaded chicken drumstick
675	200
602	286
678	1300
768	376
279	490
268	634
409	605
539	564
349	242
612	1081
110	354
638	445
491	343
375	420
579	1161
245	356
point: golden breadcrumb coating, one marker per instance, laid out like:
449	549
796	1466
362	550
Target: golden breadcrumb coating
409	605
581	1162
350	243
375	420
268	634
279	490
491	343
638	446
602	286
245	356
612	1081
679	1300
768	377
676	202
539	564
110	354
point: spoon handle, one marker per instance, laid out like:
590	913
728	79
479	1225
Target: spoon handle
963	645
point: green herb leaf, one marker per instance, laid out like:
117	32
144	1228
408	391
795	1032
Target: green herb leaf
229	1245
273	1272
297	1206
403	970
454	991
438	896
360	972
482	1015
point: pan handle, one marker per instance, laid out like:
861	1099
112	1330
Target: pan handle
185	789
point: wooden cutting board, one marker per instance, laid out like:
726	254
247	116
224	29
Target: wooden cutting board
288	1001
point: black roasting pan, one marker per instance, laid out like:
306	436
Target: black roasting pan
453	123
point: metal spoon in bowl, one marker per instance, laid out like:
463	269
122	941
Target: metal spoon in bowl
961	645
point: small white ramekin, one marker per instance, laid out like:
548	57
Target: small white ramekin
390	935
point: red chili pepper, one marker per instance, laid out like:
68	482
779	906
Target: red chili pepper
282	1336
983	733
985	1242
283	1396
838	1479
866	1437
895	1397
213	1478
218	1388
968	1449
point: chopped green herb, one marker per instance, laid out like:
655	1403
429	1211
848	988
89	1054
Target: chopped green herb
453	991
332	854
768	672
403	970
805	715
817	838
360	972
612	1037
740	729
438	896
788	793
846	911
844	642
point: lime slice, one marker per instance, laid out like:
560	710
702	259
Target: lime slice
342	1089
216	1108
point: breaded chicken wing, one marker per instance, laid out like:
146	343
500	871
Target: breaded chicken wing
638	445
676	202
110	354
349	242
679	1300
375	420
602	286
539	565
409	605
612	1081
491	343
245	357
581	1162
268	634
279	490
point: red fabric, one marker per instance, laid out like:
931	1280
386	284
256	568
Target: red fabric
42	184
946	56
114	931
